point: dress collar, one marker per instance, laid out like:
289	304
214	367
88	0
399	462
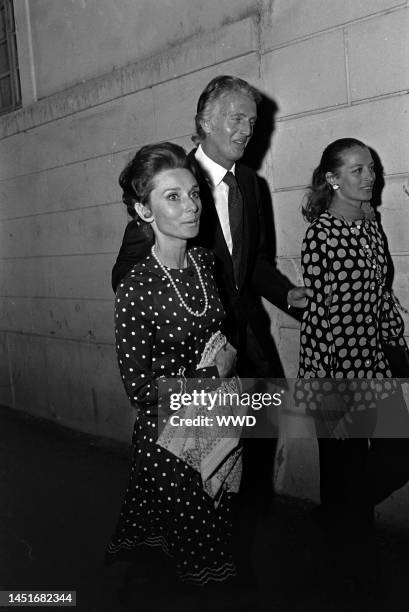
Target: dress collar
349	212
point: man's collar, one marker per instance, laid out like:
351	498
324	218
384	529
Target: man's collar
213	170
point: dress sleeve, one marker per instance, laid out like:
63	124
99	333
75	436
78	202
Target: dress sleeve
317	342
392	325
135	336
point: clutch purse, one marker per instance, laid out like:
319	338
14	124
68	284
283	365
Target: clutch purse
216	342
396	354
214	452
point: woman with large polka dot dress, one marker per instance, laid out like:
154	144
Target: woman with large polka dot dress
349	318
167	308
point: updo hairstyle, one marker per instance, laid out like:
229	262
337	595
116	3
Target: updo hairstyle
136	179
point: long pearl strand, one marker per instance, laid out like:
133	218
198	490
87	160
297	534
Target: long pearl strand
194	313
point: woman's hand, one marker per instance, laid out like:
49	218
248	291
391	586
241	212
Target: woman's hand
225	360
341	430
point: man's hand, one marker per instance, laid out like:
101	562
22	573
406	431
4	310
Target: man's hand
298	297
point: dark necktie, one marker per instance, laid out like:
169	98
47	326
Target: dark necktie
235	202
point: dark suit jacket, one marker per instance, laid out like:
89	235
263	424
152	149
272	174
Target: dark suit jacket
247	325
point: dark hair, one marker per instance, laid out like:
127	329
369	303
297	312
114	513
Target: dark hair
320	193
136	179
213	91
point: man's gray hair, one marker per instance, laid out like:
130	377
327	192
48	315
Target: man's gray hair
218	87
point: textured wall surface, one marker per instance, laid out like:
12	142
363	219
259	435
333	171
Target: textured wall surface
101	78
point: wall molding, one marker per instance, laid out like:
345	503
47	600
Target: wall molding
212	48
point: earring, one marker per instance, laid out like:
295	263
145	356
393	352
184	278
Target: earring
335	187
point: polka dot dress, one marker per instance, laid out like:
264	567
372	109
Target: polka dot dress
165	504
350	313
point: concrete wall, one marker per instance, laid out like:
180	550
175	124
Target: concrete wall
101	78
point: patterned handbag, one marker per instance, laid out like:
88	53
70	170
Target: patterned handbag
213	451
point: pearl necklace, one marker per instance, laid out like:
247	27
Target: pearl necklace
194	313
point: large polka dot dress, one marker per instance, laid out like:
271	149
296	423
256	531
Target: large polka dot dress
348	318
165	505
350	313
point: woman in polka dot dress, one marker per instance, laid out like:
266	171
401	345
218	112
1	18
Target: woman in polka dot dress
167	308
349	317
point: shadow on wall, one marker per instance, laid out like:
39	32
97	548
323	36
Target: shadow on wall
261	140
253	157
379	186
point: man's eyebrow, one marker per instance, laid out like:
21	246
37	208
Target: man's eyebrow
241	114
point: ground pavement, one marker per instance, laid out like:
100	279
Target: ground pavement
60	494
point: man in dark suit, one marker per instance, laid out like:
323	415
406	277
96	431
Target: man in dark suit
231	225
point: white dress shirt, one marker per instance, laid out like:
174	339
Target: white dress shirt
220	192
